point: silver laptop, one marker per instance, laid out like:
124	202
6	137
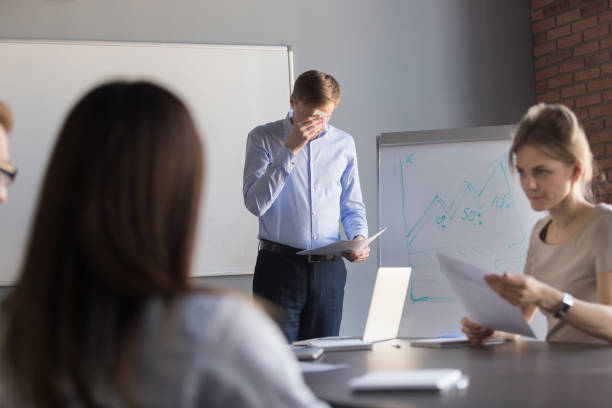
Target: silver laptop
387	304
384	316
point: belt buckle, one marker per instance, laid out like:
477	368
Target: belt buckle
311	259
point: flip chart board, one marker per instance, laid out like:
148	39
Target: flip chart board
450	191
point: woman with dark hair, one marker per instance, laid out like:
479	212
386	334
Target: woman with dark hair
103	313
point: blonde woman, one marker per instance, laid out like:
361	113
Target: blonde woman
569	261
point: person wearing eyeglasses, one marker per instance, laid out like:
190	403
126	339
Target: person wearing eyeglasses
7	170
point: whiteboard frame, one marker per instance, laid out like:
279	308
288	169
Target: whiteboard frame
431	137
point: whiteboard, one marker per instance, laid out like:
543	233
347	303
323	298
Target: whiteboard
228	89
450	191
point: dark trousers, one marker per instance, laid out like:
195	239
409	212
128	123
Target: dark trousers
309	295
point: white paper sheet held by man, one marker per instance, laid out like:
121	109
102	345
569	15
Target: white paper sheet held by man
481	303
338	247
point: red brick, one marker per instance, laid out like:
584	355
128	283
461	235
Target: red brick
547	73
535	4
588	48
599	85
600	137
570	41
540	62
593	8
555	9
572	65
569	103
601	110
559	56
606	69
598	150
597	58
541	86
607	96
544	48
606	43
584	23
608	123
605	188
579	3
605	164
573	91
589	100
581	114
548	97
560	81
592	125
558	32
539	38
586	74
596	32
536	15
605	16
568	17
543	25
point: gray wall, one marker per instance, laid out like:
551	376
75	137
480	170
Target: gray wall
402	65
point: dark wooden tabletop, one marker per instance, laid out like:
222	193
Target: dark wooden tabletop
514	374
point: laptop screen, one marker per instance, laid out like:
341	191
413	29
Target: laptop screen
387	304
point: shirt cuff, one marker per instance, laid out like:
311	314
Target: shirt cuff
363	232
286	159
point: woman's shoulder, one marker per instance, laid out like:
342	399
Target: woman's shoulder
205	317
600	221
603	211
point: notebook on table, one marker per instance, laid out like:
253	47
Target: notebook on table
439	379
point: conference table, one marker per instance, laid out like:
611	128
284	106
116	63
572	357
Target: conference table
512	374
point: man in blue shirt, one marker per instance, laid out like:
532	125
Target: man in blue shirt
301	179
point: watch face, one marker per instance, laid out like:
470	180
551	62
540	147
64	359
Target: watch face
566	304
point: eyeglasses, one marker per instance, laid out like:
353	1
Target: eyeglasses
8	172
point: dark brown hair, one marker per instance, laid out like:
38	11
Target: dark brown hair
6	118
316	88
114	228
556	132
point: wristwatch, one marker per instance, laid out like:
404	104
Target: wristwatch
566	304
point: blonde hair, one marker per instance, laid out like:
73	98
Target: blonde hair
555	131
6	118
316	88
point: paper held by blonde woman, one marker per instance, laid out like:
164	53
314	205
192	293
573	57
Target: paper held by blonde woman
481	303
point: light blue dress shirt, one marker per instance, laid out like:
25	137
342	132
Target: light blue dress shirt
300	198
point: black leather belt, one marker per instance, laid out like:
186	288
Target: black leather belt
287	250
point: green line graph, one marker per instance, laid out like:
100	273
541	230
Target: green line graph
479	222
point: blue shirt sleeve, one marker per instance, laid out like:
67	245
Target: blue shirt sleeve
352	209
264	177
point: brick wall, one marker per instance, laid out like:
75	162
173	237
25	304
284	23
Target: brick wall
572	46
